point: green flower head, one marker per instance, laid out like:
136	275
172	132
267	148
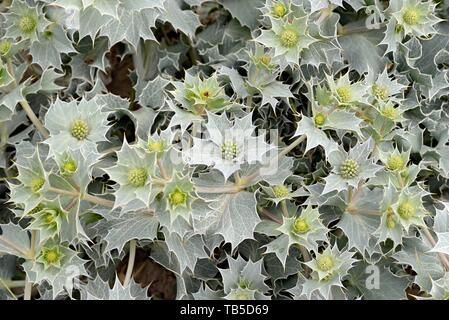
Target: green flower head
319	119
288	38
80	129
415	17
349	169
37	184
137	177
305	229
243	280
395	160
301	225
345	92
68	167
177	198
281	191
279	10
133	173
5	46
25	21
51	256
178	195
76	125
198	95
229	150
48	220
330	265
409	207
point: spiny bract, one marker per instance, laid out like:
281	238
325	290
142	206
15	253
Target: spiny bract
247	150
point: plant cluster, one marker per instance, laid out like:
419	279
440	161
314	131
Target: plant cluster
257	149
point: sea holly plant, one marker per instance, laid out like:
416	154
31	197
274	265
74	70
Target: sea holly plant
245	150
288	37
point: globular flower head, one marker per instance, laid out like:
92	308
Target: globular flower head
305	229
331	265
394	160
5	46
133	172
75	126
346	93
76	166
25	21
319	119
179	196
383	88
288	38
69	167
409	208
48	220
414	17
282	192
198	95
51	256
349	168
228	146
33	180
279	9
157	143
137	176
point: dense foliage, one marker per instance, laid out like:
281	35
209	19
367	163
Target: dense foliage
257	149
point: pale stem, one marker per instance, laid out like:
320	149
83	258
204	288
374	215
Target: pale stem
29	284
284	208
269	215
162	169
131	259
441	256
86	196
10	284
35	120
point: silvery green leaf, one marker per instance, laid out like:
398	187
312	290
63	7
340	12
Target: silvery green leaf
129	226
97	289
246	13
108	7
14	240
440	287
143	4
130	26
244	278
362	51
237	81
441	221
47	50
442	244
184	20
91	21
233	216
61	279
187	249
427	266
87	115
376	282
153	93
274	90
315	136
